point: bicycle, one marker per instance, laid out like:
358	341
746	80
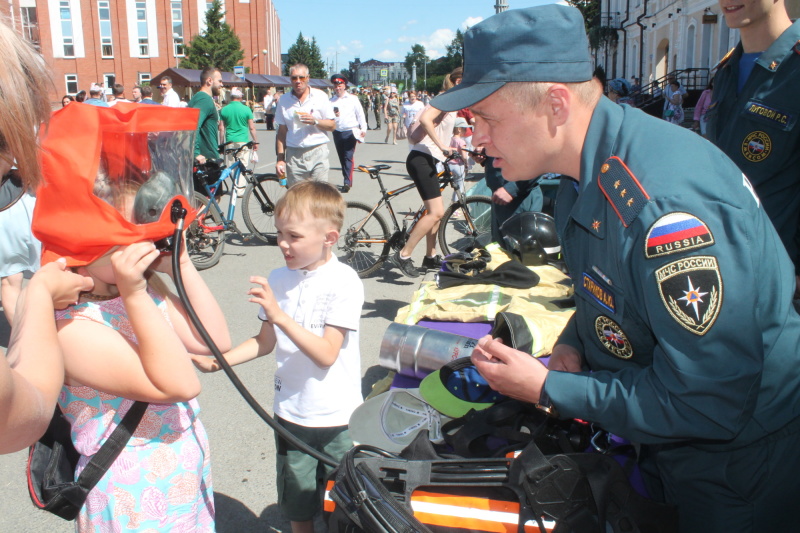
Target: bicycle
365	240
205	236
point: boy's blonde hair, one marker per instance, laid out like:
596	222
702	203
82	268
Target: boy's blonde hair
315	198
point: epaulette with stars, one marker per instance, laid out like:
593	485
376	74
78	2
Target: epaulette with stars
621	188
724	60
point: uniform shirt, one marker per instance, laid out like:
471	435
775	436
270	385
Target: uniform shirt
236	116
171	99
331	295
759	128
299	135
351	114
207	141
683	299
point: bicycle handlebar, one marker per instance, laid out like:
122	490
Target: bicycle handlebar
234	151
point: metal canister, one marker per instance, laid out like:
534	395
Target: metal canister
416	351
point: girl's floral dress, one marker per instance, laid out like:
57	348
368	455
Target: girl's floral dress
162	479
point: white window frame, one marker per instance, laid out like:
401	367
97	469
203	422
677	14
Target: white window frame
109	79
178	43
142	41
105	40
143	78
67	41
71	78
136	41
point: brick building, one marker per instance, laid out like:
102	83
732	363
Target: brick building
128	41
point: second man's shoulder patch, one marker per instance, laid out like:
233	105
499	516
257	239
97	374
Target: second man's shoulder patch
676	232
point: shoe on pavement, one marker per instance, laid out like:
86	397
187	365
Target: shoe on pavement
345	188
432	263
406	266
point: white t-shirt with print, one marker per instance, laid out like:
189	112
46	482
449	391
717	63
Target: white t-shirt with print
331	295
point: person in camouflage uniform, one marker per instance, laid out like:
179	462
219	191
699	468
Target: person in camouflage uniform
363	97
377	105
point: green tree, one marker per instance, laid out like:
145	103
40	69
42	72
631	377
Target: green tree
419	56
303	51
590	9
455	52
218	46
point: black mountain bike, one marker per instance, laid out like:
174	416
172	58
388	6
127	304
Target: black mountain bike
366	241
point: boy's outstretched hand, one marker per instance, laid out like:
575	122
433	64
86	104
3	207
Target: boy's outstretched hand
262	295
205	363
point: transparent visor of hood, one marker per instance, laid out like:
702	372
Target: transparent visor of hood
140	173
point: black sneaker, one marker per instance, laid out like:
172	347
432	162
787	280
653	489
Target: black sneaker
432	263
345	188
406	266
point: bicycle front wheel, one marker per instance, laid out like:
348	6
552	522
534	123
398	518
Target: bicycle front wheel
258	206
364	240
466	225
205	236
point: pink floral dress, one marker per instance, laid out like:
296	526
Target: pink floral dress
162	479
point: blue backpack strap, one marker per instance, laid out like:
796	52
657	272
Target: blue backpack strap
622	190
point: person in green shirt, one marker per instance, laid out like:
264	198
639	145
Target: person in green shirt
206	145
238	128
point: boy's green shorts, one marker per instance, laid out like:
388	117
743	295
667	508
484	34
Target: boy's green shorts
301	478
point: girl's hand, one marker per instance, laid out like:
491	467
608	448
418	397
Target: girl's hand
163	262
130	263
205	363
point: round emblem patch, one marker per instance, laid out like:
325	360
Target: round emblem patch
757	146
612	337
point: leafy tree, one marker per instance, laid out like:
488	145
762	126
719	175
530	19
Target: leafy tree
419	56
590	9
218	46
308	53
455	52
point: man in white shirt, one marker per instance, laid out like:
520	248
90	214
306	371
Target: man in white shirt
303	116
269	112
351	127
169	97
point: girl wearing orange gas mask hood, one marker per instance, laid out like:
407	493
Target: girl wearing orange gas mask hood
108	189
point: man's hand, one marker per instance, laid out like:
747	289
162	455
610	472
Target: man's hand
565	358
201	159
508	371
501	196
280	168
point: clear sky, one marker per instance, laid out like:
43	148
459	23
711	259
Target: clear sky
381	29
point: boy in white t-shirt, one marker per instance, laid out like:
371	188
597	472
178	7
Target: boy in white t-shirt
311	310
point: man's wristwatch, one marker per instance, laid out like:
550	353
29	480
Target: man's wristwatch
316	122
546	405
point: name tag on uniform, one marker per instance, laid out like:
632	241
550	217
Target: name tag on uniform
598	292
778	118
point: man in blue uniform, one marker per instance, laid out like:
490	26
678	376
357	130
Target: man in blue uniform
684	339
754	115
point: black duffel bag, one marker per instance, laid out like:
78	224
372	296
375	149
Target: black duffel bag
374	491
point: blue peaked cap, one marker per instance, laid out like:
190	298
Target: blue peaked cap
545	43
